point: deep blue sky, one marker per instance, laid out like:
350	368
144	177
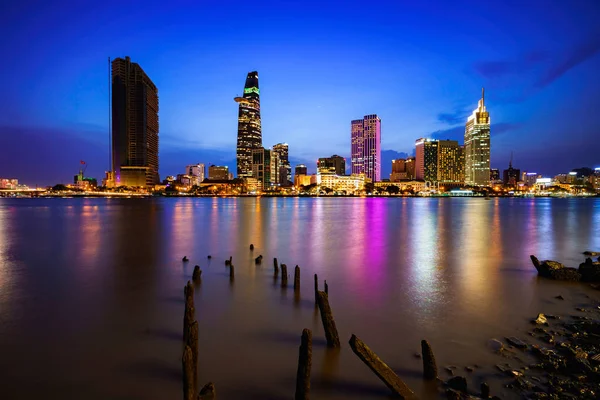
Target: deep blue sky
419	65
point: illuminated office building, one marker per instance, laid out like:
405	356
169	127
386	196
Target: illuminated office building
477	146
366	147
398	170
410	166
284	169
218	173
426	160
300	170
249	126
494	175
261	167
196	172
450	162
134	125
334	164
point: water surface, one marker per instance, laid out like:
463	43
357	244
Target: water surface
91	290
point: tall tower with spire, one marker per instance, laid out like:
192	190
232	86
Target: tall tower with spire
249	126
477	146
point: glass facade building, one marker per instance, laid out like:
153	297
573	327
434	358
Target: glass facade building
365	140
134	111
477	146
249	125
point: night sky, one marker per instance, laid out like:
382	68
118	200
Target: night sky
420	67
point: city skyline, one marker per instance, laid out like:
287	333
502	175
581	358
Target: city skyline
539	78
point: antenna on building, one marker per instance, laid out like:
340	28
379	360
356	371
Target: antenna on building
482	96
511	158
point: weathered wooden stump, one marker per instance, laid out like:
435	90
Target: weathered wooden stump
383	372
304	365
258	260
189	379
228	262
185	259
208	392
316	289
197	274
284	275
297	278
331	333
231	272
192	343
209	256
275	267
326	286
188	315
251	246
485	391
430	370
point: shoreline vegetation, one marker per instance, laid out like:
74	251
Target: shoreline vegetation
559	360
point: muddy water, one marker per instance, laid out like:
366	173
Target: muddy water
91	290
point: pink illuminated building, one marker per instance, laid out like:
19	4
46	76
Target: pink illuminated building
366	147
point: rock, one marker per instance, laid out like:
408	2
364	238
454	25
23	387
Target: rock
417	355
496	345
185	259
559	297
513	341
541	320
207	392
591	253
209	257
555	270
590	271
485	390
452	394
458	383
469	369
449	370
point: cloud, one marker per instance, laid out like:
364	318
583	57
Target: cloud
456	117
458	132
504	68
576	56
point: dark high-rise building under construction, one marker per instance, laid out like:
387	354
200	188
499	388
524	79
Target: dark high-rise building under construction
134	125
249	127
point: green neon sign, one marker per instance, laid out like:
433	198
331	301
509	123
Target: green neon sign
251	90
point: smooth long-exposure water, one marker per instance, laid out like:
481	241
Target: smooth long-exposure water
91	290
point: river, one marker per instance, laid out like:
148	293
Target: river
91	290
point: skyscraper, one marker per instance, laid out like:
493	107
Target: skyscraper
332	165
426	153
451	162
261	167
284	169
300	169
196	172
477	146
249	127
366	147
134	125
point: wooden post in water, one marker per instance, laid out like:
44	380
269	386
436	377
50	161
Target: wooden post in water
275	267
192	344
430	370
188	315
331	333
316	289
383	372
284	275
326	287
231	272
188	375
251	246
197	275
297	278
304	365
